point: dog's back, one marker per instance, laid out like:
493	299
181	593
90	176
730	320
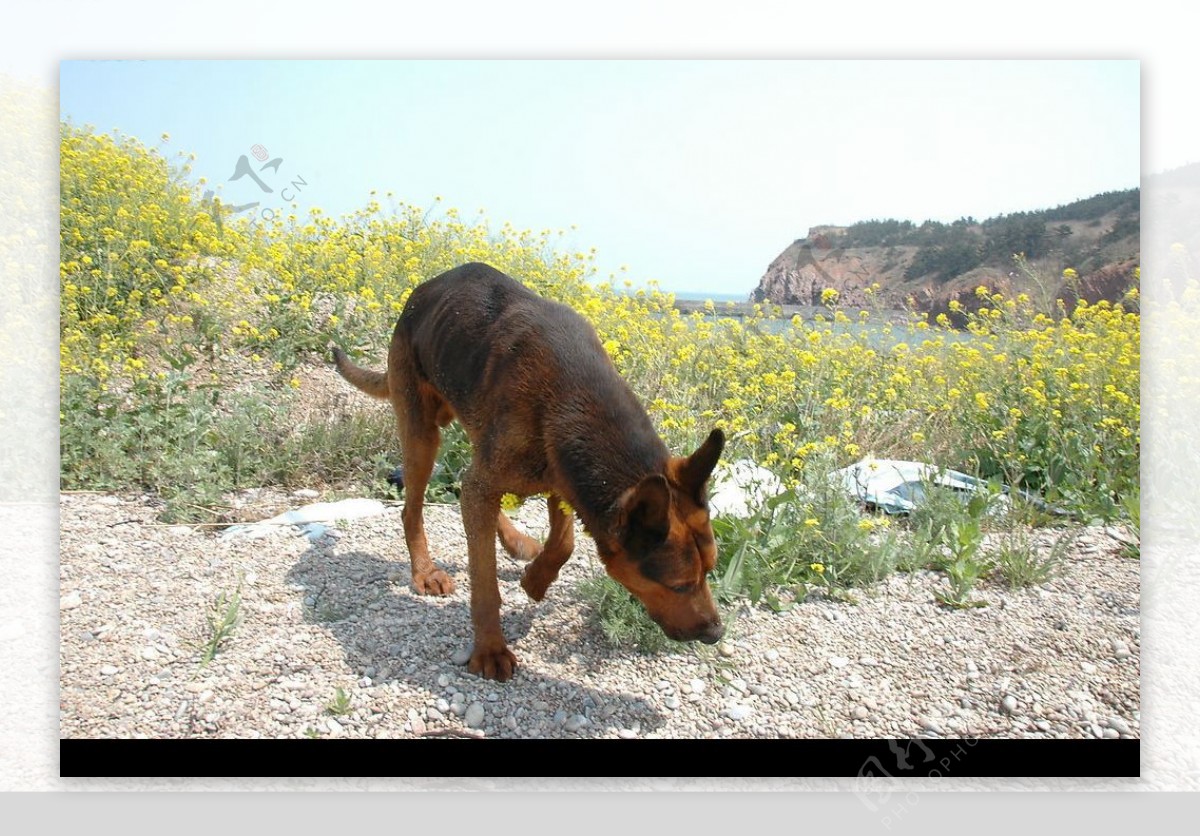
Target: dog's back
555	406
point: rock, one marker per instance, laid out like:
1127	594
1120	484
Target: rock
697	686
306	493
838	661
70	601
444	680
150	653
461	657
1119	725
474	715
860	713
109	670
725	649
737	712
626	733
1009	705
672	702
418	726
576	723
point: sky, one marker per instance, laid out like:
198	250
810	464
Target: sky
696	174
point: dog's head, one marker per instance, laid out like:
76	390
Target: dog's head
663	546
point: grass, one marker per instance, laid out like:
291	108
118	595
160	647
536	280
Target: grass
1021	563
340	704
622	619
223	618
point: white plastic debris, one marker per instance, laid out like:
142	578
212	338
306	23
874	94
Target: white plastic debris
308	520
740	489
897	486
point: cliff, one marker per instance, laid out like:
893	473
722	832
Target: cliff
926	266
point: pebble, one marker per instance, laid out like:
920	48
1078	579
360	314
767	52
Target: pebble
737	712
839	662
1088	668
672	702
333	726
1120	649
725	649
576	723
434	714
306	493
109	670
462	656
1008	705
697	686
1044	726
1111	733
626	733
150	653
418	726
70	601
860	713
474	715
1120	726
444	680
442	705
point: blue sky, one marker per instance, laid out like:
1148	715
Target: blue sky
696	174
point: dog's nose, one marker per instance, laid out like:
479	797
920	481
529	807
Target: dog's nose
712	634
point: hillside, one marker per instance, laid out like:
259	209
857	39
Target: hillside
929	264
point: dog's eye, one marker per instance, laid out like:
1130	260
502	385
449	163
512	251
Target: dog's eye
681	588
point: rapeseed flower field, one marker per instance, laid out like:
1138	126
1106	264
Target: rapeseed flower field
167	299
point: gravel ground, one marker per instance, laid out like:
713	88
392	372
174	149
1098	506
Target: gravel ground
1062	660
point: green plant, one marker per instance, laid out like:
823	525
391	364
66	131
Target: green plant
340	704
1132	504
810	537
223	618
622	619
949	533
1019	561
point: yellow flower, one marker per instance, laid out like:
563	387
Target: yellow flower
817	568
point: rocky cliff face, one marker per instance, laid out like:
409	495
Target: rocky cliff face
802	272
926	267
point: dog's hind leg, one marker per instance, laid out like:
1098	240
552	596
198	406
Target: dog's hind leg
542	572
480	505
515	542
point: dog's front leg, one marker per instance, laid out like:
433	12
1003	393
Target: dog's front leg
480	506
542	572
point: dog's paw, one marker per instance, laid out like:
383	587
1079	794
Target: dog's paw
434	583
535	583
494	664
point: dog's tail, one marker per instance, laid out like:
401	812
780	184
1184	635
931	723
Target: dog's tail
374	384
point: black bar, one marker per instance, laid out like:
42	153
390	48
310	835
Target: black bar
924	758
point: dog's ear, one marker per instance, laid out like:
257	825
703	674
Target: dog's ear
645	514
694	471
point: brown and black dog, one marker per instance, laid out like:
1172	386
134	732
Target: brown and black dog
545	411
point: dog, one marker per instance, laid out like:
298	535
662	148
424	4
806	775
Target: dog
546	412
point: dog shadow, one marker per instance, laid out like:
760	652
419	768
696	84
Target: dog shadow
392	635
